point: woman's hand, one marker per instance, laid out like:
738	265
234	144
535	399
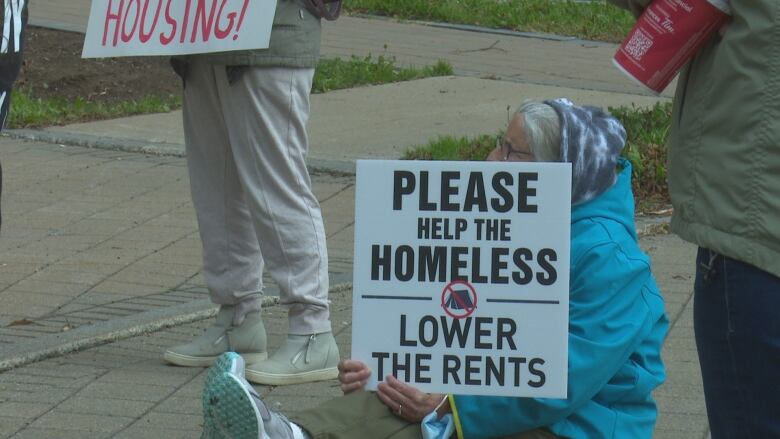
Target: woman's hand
353	375
405	401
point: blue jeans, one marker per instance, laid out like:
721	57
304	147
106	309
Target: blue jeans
736	314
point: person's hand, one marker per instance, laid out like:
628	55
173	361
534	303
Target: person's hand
353	375
405	401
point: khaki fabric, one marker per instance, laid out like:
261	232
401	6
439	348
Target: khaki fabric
361	415
246	154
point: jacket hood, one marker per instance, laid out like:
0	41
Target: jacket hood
591	140
616	203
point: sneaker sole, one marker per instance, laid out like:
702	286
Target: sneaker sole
190	361
280	379
231	410
225	363
209	430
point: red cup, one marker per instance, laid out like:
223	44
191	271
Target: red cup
666	36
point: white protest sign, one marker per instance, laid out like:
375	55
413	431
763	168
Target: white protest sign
176	27
461	275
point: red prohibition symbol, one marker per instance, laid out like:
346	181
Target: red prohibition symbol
459	299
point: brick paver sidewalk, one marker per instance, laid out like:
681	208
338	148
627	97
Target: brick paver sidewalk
90	236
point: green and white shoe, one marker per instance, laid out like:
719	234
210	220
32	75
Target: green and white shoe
300	359
233	409
229	362
229	410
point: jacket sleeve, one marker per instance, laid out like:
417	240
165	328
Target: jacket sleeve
607	320
634	6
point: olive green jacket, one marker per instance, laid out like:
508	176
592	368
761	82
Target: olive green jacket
724	143
295	41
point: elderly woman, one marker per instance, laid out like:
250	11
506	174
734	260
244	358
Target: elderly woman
616	327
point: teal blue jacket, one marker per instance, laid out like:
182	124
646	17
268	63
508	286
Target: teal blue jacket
616	328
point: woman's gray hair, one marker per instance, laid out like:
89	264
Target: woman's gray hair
543	128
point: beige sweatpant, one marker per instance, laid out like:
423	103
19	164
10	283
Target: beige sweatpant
246	146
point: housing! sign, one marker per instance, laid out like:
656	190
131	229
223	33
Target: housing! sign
461	275
177	27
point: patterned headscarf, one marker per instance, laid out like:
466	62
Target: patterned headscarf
591	140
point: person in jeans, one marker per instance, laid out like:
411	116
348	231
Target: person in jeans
616	324
245	116
724	181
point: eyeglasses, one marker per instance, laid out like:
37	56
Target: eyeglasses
511	154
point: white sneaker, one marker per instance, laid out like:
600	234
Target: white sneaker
248	339
300	359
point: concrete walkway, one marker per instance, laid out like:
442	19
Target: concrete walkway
100	257
366	122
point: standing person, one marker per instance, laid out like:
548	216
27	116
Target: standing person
245	116
13	20
724	181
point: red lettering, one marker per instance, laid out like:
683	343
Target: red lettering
222	33
115	17
241	19
165	40
200	13
129	36
146	36
185	22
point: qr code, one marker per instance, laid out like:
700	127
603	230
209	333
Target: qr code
638	45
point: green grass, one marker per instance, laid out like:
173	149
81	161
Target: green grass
454	148
595	20
29	111
335	74
647	130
